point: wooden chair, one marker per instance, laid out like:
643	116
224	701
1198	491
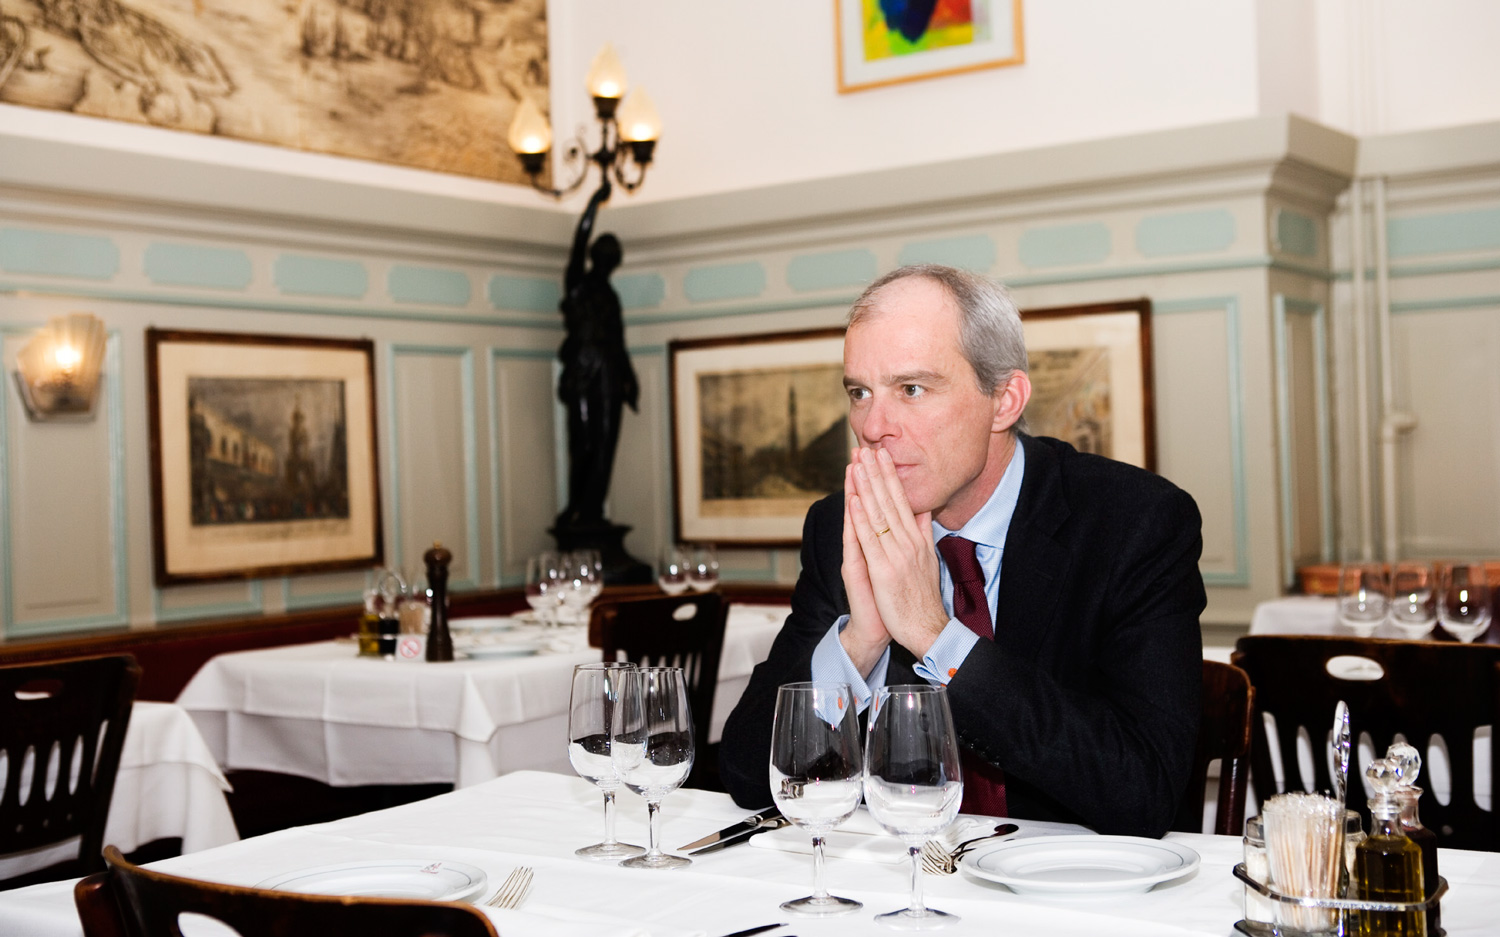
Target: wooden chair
684	631
1223	734
1418	689
76	711
129	901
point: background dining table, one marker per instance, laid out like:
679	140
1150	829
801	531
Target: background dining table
319	711
538	819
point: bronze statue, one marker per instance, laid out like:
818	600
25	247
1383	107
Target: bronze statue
597	378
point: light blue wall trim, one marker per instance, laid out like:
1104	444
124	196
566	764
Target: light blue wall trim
407	284
1452	302
1192	232
1446	233
1293	233
249	302
524	294
1230	306
194	265
640	290
296	603
254	604
831	270
742	309
1283	307
559	442
321	276
465	355
752	575
1067	245
52	253
745	280
969	252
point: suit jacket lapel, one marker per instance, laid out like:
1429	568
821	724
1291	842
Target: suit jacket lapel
1034	563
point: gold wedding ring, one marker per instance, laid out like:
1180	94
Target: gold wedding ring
880	532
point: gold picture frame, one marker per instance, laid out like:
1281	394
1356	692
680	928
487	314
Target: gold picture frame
875	51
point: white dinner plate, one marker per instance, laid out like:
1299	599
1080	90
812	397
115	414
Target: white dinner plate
486	624
386	878
1080	864
503	649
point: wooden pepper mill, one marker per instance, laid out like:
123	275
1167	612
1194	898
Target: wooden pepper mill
439	640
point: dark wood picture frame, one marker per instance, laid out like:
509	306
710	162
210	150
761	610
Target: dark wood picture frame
763	365
262	508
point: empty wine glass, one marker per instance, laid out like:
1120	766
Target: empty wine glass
653	748
594	561
1363	592
577	589
544	577
816	773
913	784
703	572
592	713
672	571
1413	600
1464	601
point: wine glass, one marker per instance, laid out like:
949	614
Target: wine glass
544	574
672	571
592	713
913	784
1464	601
595	562
703	572
577	589
816	773
653	748
1363	591
1413	600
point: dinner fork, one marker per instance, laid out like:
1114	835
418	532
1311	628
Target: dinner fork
513	890
940	860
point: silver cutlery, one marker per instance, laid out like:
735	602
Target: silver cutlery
938	859
513	890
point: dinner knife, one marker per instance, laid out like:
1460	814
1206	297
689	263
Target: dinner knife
743	836
752	824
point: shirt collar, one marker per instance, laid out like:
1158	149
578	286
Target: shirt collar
988	527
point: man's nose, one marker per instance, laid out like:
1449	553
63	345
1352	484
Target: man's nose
879	423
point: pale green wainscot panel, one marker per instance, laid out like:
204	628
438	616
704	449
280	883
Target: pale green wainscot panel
524	294
745	280
1295	234
428	285
1067	245
640	492
194	265
51	253
209	600
831	270
1304	433
319	591
640	290
1448	233
523	478
301	275
1192	232
969	252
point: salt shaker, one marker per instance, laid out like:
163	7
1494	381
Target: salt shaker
1260	911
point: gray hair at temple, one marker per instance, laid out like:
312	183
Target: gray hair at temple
989	330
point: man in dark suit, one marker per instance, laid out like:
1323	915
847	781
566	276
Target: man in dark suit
1074	677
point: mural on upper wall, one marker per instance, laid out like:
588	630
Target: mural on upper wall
430	84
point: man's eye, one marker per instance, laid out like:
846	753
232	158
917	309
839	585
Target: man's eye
913	390
858	393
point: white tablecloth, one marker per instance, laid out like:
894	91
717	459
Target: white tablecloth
319	711
538	820
168	787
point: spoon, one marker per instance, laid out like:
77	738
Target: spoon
940	860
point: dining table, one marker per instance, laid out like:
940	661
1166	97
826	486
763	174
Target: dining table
320	711
537	819
168	787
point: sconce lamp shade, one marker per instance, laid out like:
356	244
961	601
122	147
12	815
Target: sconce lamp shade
638	118
58	370
606	78
529	131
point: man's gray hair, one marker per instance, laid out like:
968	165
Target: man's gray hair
989	329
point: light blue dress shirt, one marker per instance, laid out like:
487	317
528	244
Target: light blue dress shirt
987	528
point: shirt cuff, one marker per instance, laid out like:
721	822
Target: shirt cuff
946	654
831	664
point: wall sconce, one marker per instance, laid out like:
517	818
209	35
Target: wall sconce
629	130
58	370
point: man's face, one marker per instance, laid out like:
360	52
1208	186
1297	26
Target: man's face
912	393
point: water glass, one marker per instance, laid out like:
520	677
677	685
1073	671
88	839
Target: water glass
672	570
544	580
1413	600
913	784
816	770
653	748
1464	600
592	713
703	572
1364	590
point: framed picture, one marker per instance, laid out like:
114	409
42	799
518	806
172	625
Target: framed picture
760	430
883	42
262	455
1091	378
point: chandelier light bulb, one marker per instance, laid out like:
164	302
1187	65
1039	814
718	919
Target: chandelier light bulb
529	131
606	78
638	118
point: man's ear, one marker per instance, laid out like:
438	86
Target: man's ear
1010	401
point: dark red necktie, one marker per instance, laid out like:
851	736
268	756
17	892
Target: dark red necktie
984	783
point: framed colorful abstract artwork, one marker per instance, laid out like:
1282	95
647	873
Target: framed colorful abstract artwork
882	42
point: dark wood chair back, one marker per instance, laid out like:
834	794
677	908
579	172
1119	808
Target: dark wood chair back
1223	734
684	631
1417	689
126	900
75	711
